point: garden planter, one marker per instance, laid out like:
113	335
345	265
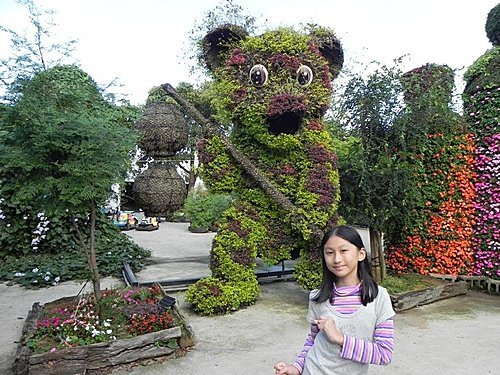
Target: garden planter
198	229
100	358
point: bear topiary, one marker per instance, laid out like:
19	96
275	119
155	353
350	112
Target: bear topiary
272	92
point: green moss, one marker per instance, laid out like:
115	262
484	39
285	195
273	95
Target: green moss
405	283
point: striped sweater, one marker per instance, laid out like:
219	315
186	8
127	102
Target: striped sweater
347	300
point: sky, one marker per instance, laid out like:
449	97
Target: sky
143	42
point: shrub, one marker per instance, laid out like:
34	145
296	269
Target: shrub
58	258
211	296
204	209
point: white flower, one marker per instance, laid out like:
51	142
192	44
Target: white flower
46	278
34	270
8	225
109	331
57	279
25	217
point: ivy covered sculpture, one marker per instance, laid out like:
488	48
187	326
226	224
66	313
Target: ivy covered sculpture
272	91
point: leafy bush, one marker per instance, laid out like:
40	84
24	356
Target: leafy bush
58	256
204	210
211	296
308	272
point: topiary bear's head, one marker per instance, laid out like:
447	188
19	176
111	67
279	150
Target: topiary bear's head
275	84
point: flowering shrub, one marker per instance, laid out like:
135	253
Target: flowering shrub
123	314
440	241
487	205
40	250
438	225
481	102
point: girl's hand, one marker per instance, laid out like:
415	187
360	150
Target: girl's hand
281	368
327	324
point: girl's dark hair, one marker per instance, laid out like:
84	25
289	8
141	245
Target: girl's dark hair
369	288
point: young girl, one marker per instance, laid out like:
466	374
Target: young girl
350	315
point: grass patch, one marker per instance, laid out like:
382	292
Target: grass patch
406	283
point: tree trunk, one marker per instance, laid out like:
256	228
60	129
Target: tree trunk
90	252
378	261
192	176
96	278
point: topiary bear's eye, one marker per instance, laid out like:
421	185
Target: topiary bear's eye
258	75
304	75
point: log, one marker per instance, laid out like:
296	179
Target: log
21	361
80	359
408	300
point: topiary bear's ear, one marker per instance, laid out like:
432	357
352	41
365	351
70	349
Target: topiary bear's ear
218	41
330	48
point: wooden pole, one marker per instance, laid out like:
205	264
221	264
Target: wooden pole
374	245
212	129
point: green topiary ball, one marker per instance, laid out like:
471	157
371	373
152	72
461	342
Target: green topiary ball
493	25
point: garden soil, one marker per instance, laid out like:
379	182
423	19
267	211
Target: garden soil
455	336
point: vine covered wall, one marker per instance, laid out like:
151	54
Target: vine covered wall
437	149
481	103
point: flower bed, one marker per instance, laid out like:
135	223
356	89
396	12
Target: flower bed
78	336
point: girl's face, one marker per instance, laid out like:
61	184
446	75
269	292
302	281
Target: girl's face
342	259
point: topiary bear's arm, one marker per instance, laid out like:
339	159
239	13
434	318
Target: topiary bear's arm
221	174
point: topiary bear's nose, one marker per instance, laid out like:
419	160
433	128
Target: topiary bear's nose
284	114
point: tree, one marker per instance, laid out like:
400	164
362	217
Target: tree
368	108
63	148
34	53
370	185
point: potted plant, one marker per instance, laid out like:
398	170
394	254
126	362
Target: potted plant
204	210
197	209
135	325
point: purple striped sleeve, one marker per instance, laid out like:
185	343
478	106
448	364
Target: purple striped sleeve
378	352
301	358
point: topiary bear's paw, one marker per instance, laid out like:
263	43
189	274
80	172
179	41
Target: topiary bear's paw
211	296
